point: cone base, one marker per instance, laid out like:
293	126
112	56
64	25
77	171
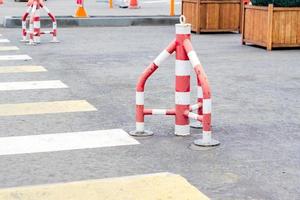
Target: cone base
134	7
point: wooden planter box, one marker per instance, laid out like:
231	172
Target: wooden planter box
271	26
212	15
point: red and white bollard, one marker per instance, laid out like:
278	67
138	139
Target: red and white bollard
186	58
35	32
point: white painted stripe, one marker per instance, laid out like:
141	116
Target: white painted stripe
21	69
182	130
183	68
8	48
139	98
194	58
15	57
161	57
64	141
183	29
31	85
36	24
159	111
46	9
182	98
140	126
206	137
199	92
192	115
4	41
195	106
206	106
45	108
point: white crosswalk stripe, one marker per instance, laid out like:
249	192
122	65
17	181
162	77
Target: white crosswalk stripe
4	41
53	107
31	85
21	69
14	57
8	48
64	141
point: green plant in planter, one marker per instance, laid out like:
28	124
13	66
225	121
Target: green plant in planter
277	3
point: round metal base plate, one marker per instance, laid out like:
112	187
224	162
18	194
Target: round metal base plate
200	142
196	124
141	134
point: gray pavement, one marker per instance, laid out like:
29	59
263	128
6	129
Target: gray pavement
256	112
93	8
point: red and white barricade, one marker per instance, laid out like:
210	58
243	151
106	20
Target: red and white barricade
186	59
34	7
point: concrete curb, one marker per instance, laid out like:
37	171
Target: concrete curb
70	21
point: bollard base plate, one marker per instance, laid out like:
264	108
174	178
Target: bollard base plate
55	41
196	124
201	143
145	133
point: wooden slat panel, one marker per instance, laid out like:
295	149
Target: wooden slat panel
281	30
288	28
212	14
276	26
294	16
298	28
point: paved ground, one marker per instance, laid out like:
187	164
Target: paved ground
93	7
256	112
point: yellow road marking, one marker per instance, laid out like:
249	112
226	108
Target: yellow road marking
162	186
21	69
45	108
9	48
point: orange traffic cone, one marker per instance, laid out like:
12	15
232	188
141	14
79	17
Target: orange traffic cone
81	12
133	4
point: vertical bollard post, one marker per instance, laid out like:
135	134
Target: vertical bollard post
37	26
182	70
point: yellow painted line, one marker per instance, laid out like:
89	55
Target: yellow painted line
162	186
45	108
21	69
8	48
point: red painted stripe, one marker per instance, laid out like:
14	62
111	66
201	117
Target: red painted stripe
180	118
139	113
200	109
180	53
187	45
148	112
206	122
145	75
170	112
182	83
171	47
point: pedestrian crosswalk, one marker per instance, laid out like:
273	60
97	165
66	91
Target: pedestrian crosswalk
146	187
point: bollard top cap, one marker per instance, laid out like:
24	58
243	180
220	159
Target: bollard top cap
183	27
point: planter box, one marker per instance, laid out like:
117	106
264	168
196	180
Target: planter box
271	26
212	15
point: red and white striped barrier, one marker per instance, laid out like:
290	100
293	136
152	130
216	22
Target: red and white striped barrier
35	32
186	58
